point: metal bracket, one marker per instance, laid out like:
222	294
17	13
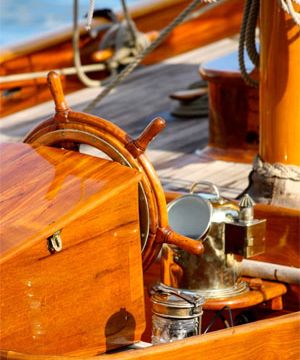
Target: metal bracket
54	242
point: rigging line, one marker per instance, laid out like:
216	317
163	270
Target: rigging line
87	81
90	15
287	6
245	23
130	67
128	19
250	33
77	61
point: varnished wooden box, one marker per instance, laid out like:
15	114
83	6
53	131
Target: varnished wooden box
88	297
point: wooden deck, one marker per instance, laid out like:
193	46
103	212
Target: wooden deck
144	95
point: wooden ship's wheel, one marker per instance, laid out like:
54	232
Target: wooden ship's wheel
68	129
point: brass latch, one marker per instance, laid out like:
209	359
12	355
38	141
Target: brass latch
54	242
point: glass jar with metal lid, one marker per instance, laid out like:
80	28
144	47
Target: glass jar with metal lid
176	314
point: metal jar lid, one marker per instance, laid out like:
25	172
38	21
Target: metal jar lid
173	303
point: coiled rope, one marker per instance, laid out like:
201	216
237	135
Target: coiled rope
278	170
130	67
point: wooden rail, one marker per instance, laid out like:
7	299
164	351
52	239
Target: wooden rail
276	338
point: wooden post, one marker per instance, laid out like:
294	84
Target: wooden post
279	85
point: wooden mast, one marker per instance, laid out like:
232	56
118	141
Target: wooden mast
279	85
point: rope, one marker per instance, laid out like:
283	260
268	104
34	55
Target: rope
75	41
247	35
287	6
119	38
126	47
278	170
250	33
87	81
130	67
90	15
129	22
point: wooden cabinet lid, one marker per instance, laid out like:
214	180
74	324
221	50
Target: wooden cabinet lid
44	189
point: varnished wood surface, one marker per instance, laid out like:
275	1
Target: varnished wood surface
89	296
149	14
279	105
282	234
137	11
139	145
233	110
170	153
259	345
56	89
74	128
266	290
43	189
205	29
261	340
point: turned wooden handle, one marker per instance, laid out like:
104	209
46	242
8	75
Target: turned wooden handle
138	146
167	235
155	127
56	89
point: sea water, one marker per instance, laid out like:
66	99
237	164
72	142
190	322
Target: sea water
23	20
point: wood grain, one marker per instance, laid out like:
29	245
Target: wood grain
266	291
139	145
61	185
282	234
56	89
168	236
82	128
233	110
89	296
279	108
208	27
79	128
57	52
263	340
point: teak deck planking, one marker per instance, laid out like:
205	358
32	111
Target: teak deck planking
172	152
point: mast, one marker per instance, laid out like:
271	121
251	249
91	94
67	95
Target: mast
275	178
279	85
